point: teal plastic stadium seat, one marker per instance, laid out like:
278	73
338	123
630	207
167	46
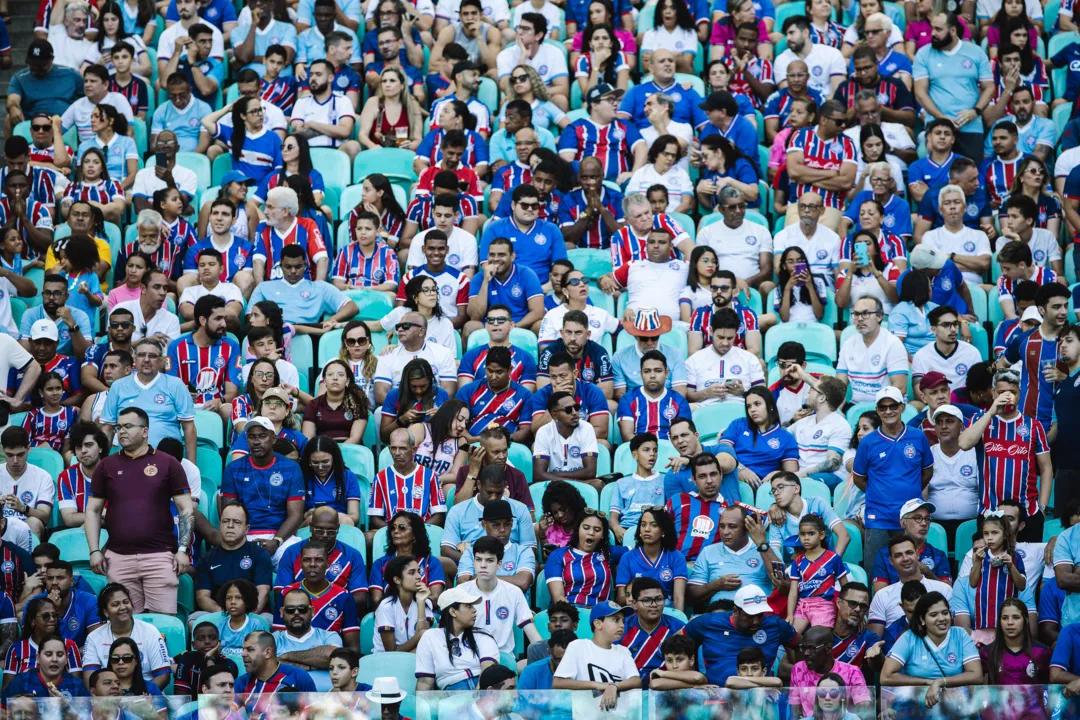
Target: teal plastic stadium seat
543	595
507	661
936	536
47	459
371	304
95	581
73	546
359	459
583	632
818	339
963	539
588	493
687	224
367	634
857	573
521	457
171	628
714	419
856	410
210	468
391	162
196	163
222	164
347	534
591	263
997	314
400	665
209	428
489	95
303	355
853	554
334	167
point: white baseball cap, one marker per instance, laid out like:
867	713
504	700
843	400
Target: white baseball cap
457	595
260	421
889	393
914	504
1031	314
44	329
949	410
751	599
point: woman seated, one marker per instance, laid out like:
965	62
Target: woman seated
391	117
111	139
405	612
94	186
662	169
407	537
439	441
799	296
417	397
295	160
469	650
762	446
562	507
421	296
910	319
341	412
275	406
867	274
357	352
41	623
146	697
654	555
328	482
581	572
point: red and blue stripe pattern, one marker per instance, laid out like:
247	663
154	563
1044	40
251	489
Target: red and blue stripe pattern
587	577
626	247
760	69
103	191
390	224
280	92
352	266
39	216
889	246
487	407
49	430
73	485
995	587
269	244
22	657
821	155
1042	276
701	321
1010	469
422	210
612	144
655	416
645	647
205	370
999	175
418	492
818	578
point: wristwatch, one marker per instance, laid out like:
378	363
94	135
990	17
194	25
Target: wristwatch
763	547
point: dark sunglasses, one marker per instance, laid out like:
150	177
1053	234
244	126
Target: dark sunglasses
571	408
519	78
574	282
129	658
496	320
830	693
353	342
121	325
589	512
41	128
528	205
403	326
295	609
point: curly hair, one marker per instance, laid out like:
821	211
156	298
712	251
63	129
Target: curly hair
421	544
565	494
536	84
247	590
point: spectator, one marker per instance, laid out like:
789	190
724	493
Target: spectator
493	450
739	370
540	674
1038	349
601	663
954	489
412	345
852	642
263	668
649	627
821	159
325	119
650	407
465	75
44	86
152	319
567	447
118	621
235	557
585	137
581	572
537	243
503	282
405	612
819	663
885	610
41	621
875	359
741	559
51	674
436	666
300	644
789	510
915	519
28	492
238	599
341	412
530	48
518	566
826	65
405	486
499	324
591	212
336	612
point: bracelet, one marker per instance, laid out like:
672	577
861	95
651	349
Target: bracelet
95	551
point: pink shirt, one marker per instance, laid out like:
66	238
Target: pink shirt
627	42
779	148
919	32
122	293
804	685
724	34
993	37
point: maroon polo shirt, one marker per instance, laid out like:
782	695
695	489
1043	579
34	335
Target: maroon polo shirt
335	423
515	481
138	492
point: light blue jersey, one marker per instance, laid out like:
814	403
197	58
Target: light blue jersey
185	123
166	401
1039	131
918	657
634	493
463	524
626	364
515	559
502	146
64	347
276	33
718	560
119	150
233	640
305	13
786	538
954	78
305	302
315	637
1067	552
311	44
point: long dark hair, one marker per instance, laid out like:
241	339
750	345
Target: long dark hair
395	569
818	713
356	401
100	156
1005	46
275	321
421	543
116	119
683	18
305	196
783	275
692	278
770	407
468	635
322	443
565	494
239	129
249	389
875	258
138	683
145	16
443	419
602	546
870	416
304	160
918	616
390	203
997	648
732	154
421	367
412	293
607	71
916	288
37	395
668	534
874	131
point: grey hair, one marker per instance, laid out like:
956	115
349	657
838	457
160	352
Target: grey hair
879	309
635	199
730	193
885	20
667	101
879	165
949	189
1007	375
866	95
148	218
285	198
73	6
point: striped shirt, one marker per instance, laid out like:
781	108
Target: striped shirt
612	144
356	268
820	154
627	246
587	578
418	492
1010	465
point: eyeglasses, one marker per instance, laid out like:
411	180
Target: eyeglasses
53	293
263	374
574	282
273	402
949	325
863	313
295	609
809	208
810	649
429	290
147	356
121	325
40	128
779	488
651	601
125	659
736	206
48	616
357	342
519	78
128	426
496	320
829	693
404	326
876	31
920	519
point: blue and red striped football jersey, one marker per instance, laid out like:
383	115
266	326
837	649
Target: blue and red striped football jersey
818	578
73	486
644	646
995	587
269	244
1010	469
50	429
701	321
205	370
821	155
355	268
506	408
587	576
418	492
998	176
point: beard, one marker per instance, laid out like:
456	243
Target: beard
317	89
941	44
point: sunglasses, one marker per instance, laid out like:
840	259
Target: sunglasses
354	342
570	408
295	609
403	326
41	128
721	288
574	282
129	658
589	512
830	693
496	320
528	205
121	325
519	78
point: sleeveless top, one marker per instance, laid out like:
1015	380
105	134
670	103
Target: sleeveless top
240	224
382	126
470	45
438	459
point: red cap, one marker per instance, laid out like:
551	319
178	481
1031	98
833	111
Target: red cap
932	379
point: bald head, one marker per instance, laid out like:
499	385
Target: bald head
663	66
400	436
325	515
818	634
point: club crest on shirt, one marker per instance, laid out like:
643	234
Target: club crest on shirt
160	399
670	412
334	569
909	451
760	637
751	240
817	435
26	497
875	360
7	566
753	563
245	563
951	657
774	443
330	612
502	612
587	374
1022	431
454	259
1030	670
967	470
736	369
150	470
508	404
822	254
276	479
73	624
342	82
961	369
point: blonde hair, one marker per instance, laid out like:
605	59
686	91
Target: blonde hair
536	83
949	189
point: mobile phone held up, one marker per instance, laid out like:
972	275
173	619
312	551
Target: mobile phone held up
862	255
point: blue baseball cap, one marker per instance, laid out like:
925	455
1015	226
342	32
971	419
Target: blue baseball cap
607	609
236	176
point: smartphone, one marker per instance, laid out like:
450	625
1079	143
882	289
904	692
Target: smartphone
778	567
162	159
996	562
862	255
801	267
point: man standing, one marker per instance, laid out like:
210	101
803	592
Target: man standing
947	356
953	81
164	397
875	359
722	372
892	463
915	519
145	552
617	143
205	360
601	664
537	243
827	66
235	557
751	623
1016	463
736	561
1036	350
269	485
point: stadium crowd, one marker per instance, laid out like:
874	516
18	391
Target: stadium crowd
378	347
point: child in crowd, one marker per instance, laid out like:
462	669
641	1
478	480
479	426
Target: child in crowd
816	571
48	425
366	262
642	489
680	666
997	570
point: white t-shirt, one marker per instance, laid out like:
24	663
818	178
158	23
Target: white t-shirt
738	249
676	180
194	479
824	63
966	242
7	320
551	12
683	131
69	52
564	454
167	41
77	114
439	330
822	250
500	610
706	367
443	363
549	62
12	355
224	290
389	615
955	367
788	401
336	107
1044	247
147	182
600	322
423	7
656	285
868	368
433	657
1066	161
461	252
35	486
815	438
152	651
677	41
954	489
588	662
496	11
18	534
886	603
162	322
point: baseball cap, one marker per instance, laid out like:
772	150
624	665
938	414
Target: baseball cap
752	600
457	595
949	410
44	329
498	510
932	379
889	393
39	51
1032	314
606	609
280	393
236	176
598	91
260	421
926	257
915	503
